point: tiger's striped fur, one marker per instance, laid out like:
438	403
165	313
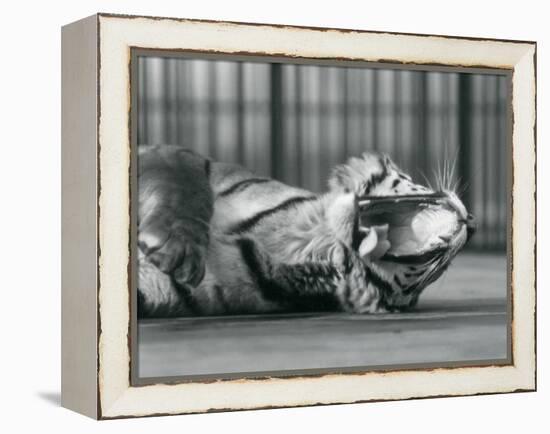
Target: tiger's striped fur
216	239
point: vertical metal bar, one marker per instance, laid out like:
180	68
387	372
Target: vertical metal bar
345	115
422	154
494	161
425	123
164	102
508	157
323	115
445	109
502	152
397	116
485	229
240	114
500	160
179	102
363	102
277	162
171	96
142	101
298	127
189	105
212	111
374	109
465	136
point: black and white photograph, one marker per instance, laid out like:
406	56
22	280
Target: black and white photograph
296	218
276	217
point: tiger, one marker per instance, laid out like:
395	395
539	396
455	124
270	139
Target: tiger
214	238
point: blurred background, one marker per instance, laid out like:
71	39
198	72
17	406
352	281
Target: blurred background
295	122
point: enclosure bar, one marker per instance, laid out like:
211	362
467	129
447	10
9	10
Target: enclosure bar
374	109
143	129
324	114
212	110
344	149
188	138
423	122
298	128
362	111
277	162
501	153
398	117
485	109
180	111
240	114
165	101
464	135
445	109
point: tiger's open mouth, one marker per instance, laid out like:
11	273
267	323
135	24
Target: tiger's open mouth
420	227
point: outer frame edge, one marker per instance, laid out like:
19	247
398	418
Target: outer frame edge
519	389
79	231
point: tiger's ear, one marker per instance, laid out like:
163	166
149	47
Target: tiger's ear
352	176
341	179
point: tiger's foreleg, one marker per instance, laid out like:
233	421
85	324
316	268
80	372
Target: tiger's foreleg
336	285
175	208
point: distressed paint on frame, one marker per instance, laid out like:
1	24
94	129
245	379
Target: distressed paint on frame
114	305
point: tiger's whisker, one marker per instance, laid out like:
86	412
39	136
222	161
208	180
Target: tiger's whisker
428	182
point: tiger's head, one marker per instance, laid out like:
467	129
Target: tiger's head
413	231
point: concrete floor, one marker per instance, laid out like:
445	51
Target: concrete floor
462	317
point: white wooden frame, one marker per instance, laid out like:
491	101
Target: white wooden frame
96	195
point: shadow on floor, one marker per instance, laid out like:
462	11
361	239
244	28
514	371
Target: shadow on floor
52	398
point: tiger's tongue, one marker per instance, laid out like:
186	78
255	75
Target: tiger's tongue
421	232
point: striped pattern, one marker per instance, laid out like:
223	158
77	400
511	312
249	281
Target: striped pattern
242	185
249	223
265	247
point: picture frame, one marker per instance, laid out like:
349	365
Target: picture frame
98	228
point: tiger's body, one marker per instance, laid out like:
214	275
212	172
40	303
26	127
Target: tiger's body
215	239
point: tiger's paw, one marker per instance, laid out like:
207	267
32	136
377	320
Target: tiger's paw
353	291
180	255
360	300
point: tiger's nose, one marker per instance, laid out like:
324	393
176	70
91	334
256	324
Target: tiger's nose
471	225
